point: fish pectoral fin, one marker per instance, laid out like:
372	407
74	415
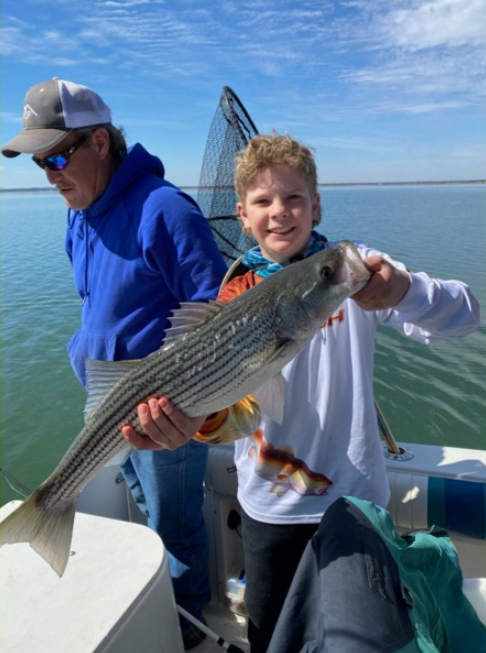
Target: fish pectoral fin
48	529
101	377
189	317
270	398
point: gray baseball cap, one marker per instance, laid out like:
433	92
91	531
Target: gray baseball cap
53	109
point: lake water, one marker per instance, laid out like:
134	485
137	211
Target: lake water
431	394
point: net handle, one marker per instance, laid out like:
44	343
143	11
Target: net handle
230	96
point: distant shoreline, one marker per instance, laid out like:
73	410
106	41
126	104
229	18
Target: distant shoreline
334	185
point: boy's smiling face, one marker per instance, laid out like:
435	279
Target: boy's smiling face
280	211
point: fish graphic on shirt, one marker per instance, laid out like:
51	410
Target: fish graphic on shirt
284	470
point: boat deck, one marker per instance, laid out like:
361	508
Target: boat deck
231	627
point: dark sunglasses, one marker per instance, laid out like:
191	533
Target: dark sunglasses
59	161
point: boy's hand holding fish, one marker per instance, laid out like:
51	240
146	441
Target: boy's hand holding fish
164	427
386	287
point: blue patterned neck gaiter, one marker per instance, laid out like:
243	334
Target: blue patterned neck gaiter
255	261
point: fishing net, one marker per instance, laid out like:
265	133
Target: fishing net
230	131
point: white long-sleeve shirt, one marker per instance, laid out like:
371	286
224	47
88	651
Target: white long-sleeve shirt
328	444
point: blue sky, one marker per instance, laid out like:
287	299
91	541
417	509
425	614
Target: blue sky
383	90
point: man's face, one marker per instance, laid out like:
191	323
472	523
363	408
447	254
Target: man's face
83	179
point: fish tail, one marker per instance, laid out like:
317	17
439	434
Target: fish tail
47	528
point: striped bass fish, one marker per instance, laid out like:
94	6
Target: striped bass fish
214	355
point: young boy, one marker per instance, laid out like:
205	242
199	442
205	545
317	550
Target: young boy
328	443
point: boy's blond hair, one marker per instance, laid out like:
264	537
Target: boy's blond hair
264	151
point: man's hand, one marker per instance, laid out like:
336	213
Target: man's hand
386	288
164	427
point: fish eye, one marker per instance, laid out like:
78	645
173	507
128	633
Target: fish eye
326	272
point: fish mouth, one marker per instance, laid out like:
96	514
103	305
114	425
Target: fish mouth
353	272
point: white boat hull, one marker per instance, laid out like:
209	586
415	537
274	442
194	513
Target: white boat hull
118	581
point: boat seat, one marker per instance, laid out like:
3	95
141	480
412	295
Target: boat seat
111	598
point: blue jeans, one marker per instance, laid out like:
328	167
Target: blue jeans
168	488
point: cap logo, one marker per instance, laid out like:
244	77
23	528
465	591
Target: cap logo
28	111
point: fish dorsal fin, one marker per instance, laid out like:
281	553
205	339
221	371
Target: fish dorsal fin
102	376
270	398
189	317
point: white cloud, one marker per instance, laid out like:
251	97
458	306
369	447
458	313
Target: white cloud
437	23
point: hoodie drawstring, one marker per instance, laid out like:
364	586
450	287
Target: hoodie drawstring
86	244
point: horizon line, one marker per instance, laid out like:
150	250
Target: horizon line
320	185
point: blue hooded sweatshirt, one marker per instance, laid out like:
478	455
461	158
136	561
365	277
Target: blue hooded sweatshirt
140	249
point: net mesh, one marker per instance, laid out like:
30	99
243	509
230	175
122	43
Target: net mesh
230	131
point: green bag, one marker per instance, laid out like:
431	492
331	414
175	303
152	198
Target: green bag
443	619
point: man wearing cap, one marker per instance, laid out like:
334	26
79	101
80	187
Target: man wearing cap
139	246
